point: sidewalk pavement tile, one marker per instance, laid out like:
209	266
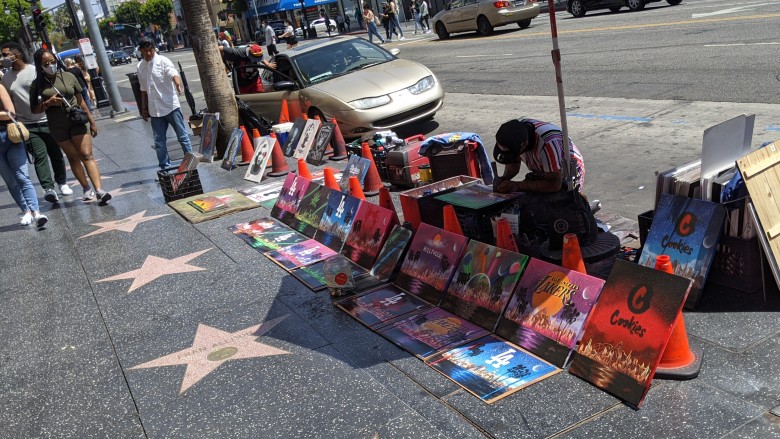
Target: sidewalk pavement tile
735	331
675	409
766	426
408	425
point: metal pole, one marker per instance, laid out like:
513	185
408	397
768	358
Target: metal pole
568	172
102	59
75	18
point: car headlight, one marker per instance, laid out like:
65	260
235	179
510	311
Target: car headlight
422	85
366	103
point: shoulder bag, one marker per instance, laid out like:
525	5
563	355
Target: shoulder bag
76	115
17	132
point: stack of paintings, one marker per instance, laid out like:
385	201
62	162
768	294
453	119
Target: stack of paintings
370	227
548	310
301	254
311	208
628	329
289	199
337	220
265	234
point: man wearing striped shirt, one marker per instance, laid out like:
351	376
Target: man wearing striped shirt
540	146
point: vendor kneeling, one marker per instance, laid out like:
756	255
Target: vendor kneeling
540	146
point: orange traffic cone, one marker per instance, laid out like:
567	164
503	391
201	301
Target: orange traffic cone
354	188
303	170
504	237
255	137
339	145
330	179
451	223
372	183
284	114
278	162
679	361
386	201
571	254
247	151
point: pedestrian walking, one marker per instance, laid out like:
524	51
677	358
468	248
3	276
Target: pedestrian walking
370	19
58	93
346	22
392	15
13	168
71	67
289	35
325	17
359	18
416	14
270	39
424	15
340	24
44	148
160	90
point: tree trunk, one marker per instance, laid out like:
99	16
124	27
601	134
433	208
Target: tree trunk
216	85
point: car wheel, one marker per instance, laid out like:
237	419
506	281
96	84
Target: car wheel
674	2
483	25
314	111
636	5
617	8
577	8
524	23
441	31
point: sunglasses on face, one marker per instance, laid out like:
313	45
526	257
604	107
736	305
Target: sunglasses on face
49	63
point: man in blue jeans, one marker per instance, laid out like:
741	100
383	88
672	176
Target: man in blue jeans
160	90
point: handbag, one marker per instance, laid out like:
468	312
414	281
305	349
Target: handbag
76	115
17	132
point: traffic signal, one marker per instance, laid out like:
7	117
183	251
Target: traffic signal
39	19
71	32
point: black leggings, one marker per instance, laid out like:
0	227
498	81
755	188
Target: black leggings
425	20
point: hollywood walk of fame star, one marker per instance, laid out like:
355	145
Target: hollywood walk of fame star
124	225
212	347
154	267
115	193
76	183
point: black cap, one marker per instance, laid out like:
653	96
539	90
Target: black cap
145	43
511	135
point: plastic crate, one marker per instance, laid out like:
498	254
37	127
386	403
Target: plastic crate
457	158
418	204
188	186
737	265
645	220
477	224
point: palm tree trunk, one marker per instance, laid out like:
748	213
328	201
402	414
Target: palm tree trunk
216	85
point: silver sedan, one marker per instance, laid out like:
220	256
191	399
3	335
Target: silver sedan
363	86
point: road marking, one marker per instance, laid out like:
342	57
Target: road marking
771	43
478	56
610	117
122	80
729	11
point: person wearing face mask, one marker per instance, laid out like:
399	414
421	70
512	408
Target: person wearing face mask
42	145
56	92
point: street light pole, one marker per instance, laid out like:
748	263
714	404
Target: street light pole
102	59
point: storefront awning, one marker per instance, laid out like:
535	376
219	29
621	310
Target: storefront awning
266	7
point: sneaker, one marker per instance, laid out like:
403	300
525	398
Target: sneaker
103	198
40	219
27	219
50	196
402	38
66	190
89	195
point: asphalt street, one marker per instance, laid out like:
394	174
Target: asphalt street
641	87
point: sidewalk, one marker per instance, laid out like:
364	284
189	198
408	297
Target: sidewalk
128	321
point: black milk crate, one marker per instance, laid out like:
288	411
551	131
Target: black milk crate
477	223
737	264
189	185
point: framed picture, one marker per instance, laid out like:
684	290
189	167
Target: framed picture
232	149
208	136
308	136
293	136
256	168
317	152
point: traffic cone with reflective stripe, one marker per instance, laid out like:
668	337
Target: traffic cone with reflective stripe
504	237
338	142
571	254
372	182
278	162
247	151
679	361
303	170
451	223
386	201
330	179
354	188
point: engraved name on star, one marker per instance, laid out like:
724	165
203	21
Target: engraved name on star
212	347
124	225
155	266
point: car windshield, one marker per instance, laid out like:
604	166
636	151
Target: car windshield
339	59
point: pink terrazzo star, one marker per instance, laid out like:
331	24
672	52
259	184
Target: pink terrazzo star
124	225
155	267
212	347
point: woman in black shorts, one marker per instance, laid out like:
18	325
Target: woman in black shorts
55	91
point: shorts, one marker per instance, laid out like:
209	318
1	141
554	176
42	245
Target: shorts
65	130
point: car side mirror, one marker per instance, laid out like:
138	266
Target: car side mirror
285	86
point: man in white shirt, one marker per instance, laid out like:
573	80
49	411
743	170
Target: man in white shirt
270	39
160	101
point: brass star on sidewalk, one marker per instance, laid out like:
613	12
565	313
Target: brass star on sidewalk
212	347
155	267
124	225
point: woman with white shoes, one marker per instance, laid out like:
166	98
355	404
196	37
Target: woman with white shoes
13	167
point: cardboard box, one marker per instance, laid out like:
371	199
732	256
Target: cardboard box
195	125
